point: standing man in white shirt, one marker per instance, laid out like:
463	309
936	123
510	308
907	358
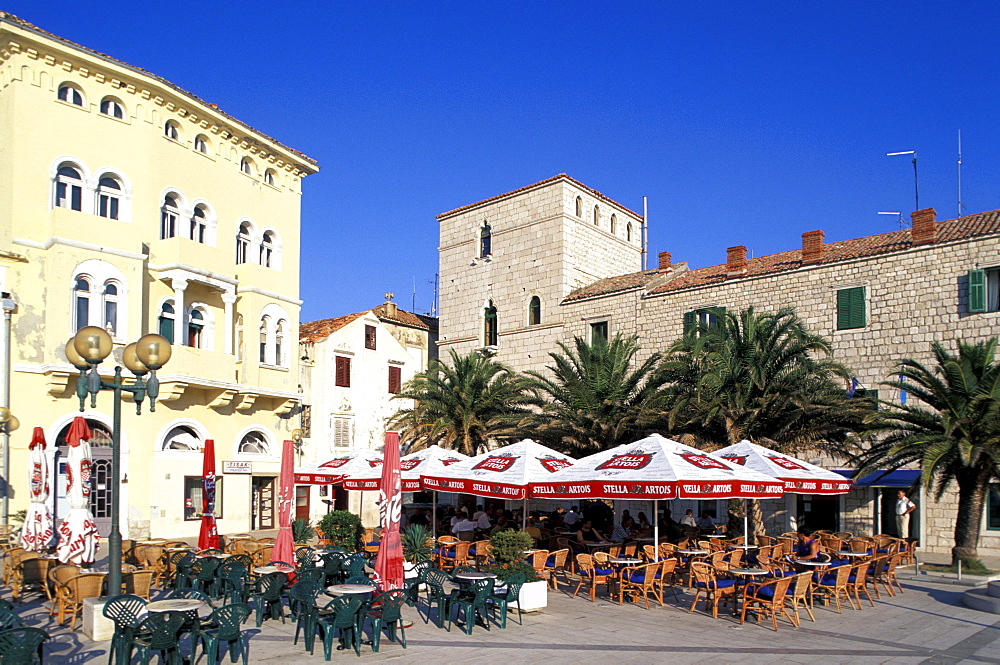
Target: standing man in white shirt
903	509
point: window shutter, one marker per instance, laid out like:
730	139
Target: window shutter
858	307
394	379
851	308
370	337
843	310
690	322
343	378
977	291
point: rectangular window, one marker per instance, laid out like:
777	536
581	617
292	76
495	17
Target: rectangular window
993	508
110	316
193	495
705	317
341	432
82	312
984	290
305	420
343	378
598	332
851	308
370	337
395	376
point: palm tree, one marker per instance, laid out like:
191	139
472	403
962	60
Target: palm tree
760	376
594	398
953	432
462	406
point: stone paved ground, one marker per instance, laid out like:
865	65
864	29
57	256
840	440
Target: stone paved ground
927	624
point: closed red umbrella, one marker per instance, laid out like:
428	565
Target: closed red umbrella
389	561
284	547
208	538
36	534
78	535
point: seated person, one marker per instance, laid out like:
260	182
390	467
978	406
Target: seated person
689	520
706	523
623	532
463	524
587	534
807	548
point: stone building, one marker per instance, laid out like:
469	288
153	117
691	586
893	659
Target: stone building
877	299
131	204
351	368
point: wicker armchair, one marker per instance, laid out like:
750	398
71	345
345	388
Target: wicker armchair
715	590
57	576
769	599
538	558
153	557
592	575
30	570
71	594
138	583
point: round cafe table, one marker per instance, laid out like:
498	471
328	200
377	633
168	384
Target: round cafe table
341	589
265	570
175	604
692	552
625	561
851	553
474	575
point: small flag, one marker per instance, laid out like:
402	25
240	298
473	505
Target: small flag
853	387
902	390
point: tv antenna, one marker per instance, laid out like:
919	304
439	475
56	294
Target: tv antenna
902	222
961	205
916	188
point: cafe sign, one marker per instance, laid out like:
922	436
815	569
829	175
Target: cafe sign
237	467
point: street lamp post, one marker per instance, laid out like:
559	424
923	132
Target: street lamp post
85	351
8	423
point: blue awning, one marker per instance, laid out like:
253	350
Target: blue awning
902	478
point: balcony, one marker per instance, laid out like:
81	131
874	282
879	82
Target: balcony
179	252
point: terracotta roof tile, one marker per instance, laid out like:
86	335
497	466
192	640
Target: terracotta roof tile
981	224
316	331
405	318
20	22
561	176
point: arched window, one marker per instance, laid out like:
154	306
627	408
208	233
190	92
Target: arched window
269	177
246	166
166	321
242	243
111	308
485	240
614	223
196	323
111	106
254	443
201	144
70	93
109	194
279	340
597	216
81	303
182	438
490	332
69	188
198	225
172	130
579	207
168	217
263	340
628	232
534	311
266	249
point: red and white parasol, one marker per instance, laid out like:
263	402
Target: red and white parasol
36	534
427	461
389	561
360	463
283	545
78	534
505	473
798	476
208	536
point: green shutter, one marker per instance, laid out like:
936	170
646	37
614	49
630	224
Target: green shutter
690	322
851	308
977	290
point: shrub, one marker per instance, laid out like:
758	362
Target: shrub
417	543
507	549
302	531
343	529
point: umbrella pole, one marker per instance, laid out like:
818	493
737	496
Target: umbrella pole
656	529
746	514
524	516
434	515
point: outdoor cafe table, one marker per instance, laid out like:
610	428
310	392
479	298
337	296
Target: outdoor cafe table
692	552
745	575
851	553
625	561
265	570
474	575
341	589
176	604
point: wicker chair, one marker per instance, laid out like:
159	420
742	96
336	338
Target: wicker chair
11	555
591	574
266	541
30	570
455	556
538	558
715	590
800	596
555	565
833	585
769	598
639	580
481	551
667	578
137	583
856	583
153	557
58	576
70	595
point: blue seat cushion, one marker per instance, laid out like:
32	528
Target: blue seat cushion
551	561
828	580
719	584
766	592
374	543
637	578
604	571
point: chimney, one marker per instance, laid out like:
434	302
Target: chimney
389	307
924	228
736	261
664	265
812	247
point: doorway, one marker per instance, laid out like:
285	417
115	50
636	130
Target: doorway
888	500
302	502
818	512
100	476
262	503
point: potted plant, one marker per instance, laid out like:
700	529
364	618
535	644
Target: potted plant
302	531
417	543
342	529
507	549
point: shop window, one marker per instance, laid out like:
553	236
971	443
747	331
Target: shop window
193	495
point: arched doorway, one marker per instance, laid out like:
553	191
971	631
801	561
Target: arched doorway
100	480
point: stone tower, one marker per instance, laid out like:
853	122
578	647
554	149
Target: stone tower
507	262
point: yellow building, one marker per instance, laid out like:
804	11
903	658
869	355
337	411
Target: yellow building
131	204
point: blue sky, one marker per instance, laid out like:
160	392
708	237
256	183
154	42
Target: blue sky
744	123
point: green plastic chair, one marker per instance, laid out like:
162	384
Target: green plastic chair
9	619
22	645
266	595
361	579
223	626
472	602
342	615
126	611
331	564
302	603
202	574
502	598
412	584
160	632
232	579
354	566
180	564
385	611
437	594
315	575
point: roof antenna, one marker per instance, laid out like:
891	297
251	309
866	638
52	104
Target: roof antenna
960	204
902	222
916	188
